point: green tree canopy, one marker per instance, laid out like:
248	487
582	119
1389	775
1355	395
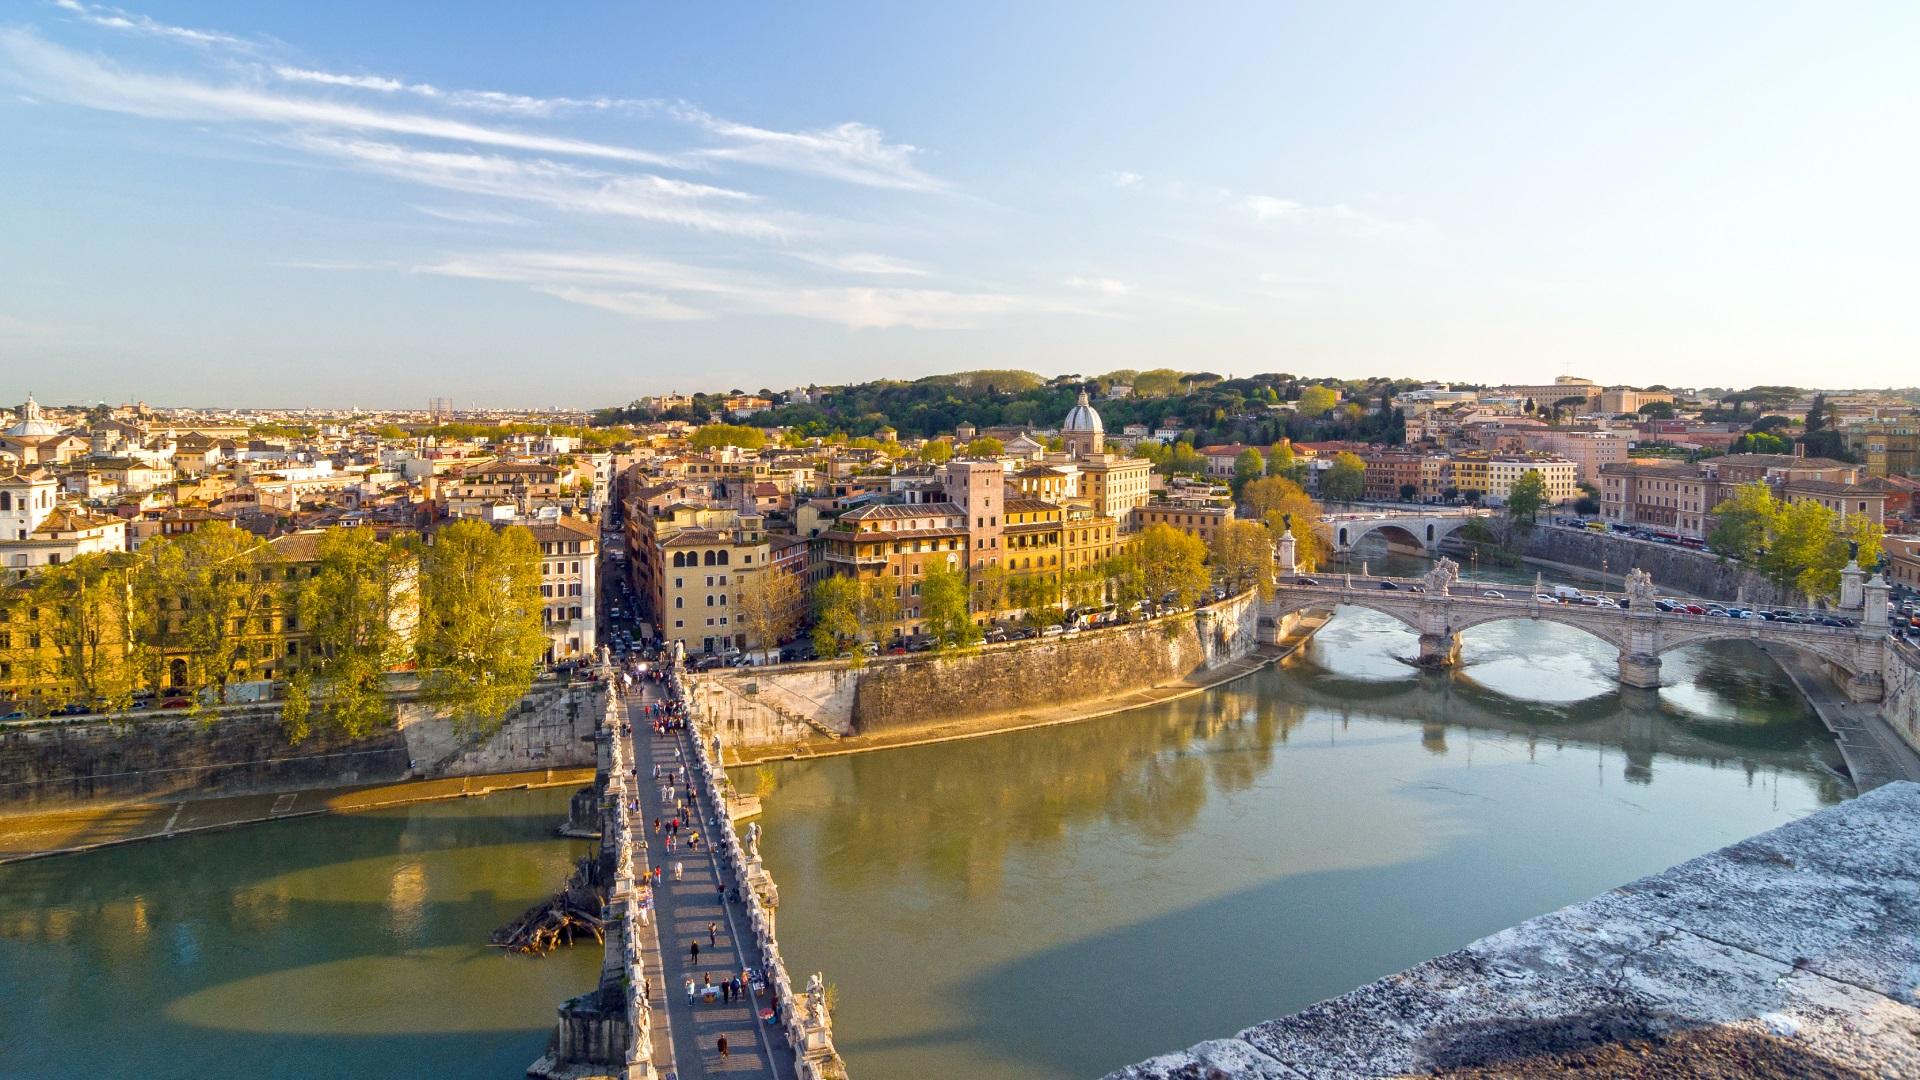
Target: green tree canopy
1526	497
1345	479
944	608
709	436
481	636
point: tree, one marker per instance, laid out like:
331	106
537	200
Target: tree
944	609
1184	460
1759	442
1527	495
1408	492
89	629
1345	479
991	588
1804	550
1658	410
1741	523
481	638
1280	461
207	598
709	436
936	452
986	446
768	606
1248	465
1170	563
1241	554
836	615
1318	400
360	608
879	608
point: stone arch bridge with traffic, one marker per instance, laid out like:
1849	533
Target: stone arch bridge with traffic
1439	606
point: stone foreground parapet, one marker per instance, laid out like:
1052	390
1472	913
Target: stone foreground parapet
1793	953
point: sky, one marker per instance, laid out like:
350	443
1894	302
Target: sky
577	204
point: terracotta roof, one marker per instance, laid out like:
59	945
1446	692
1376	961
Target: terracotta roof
565	528
1018	505
302	546
877	511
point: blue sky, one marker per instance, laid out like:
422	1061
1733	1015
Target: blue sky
574	204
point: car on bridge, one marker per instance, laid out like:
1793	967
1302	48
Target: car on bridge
1545	598
1303	580
1493	594
1390	586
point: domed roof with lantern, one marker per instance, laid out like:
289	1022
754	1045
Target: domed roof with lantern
30	425
1083	417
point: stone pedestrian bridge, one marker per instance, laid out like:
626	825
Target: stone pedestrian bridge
1439	606
1416	530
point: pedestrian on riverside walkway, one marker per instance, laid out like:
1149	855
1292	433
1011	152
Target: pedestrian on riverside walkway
713	935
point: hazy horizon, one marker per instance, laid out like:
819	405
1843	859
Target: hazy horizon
356	204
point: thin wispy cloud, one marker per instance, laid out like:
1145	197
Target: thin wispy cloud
1125	179
862	263
1106	286
60	74
560	185
853	152
113	18
461	215
495	101
600	280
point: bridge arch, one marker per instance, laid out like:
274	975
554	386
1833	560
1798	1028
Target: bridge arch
1424	533
1837	648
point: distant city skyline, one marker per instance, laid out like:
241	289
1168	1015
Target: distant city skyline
221	204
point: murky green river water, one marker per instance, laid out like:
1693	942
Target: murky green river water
1041	904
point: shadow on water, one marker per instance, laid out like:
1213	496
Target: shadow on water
342	946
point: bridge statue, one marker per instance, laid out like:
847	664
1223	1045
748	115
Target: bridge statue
753	840
1439	579
1640	590
816	999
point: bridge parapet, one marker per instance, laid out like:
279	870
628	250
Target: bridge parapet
608	1031
806	1024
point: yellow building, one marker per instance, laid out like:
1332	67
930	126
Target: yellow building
893	545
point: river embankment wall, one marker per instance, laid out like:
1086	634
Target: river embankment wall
1901	704
1700	573
772	706
244	751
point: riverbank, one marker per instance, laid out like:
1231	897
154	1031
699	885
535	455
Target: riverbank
1874	753
975	727
72	830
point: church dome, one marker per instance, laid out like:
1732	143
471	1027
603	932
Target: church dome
1082	418
31	426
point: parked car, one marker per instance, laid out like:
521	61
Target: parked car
995	636
177	703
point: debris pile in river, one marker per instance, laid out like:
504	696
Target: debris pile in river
559	919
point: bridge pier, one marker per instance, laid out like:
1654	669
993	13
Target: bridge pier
1439	649
1641	670
1866	686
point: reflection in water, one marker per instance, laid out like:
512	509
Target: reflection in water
346	946
1048	903
1057	902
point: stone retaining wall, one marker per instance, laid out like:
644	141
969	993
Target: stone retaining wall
1698	572
1901	705
242	751
783	704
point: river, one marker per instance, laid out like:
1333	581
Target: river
1047	903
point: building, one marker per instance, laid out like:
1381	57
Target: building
687	559
569	585
1588	450
1493	475
1545	395
1033	530
1886	447
507	490
1114	485
1903	561
893	545
1201	518
1624	400
1679	497
1392	474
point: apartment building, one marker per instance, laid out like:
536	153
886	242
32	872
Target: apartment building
569	585
700	554
1199	517
895	545
1588	450
1679	497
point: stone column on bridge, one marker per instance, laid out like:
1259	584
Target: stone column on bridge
1852	586
1640	659
1439	643
1867	680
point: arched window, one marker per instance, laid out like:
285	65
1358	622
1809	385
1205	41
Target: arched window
723	558
710	559
679	558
